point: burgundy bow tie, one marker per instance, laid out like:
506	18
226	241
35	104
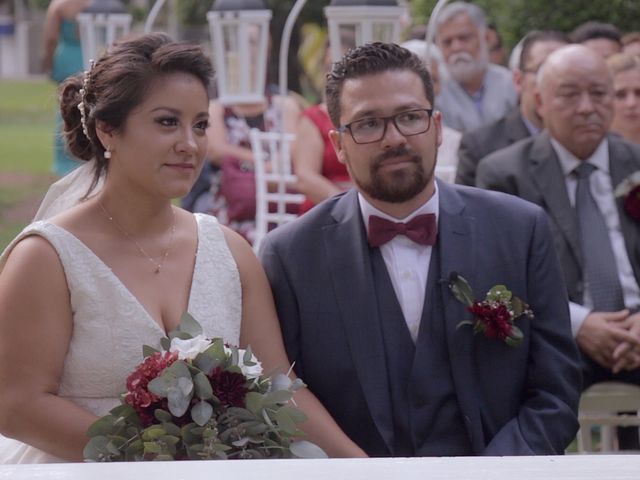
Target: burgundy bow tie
421	229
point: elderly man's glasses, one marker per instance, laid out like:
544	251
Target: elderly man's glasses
373	129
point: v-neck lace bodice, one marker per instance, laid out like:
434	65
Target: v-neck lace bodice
110	326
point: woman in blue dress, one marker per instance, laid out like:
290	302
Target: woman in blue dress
62	58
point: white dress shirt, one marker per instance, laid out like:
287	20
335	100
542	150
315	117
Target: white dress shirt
602	192
407	262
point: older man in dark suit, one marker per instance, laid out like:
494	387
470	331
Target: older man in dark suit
523	121
572	170
361	285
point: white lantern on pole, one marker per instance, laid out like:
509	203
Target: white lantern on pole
356	22
101	24
240	38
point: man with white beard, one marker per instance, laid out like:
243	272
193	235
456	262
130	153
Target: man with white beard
477	92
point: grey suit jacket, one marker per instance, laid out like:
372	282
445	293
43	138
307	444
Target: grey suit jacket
477	144
319	267
530	170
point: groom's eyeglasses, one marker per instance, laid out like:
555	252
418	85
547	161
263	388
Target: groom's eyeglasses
373	129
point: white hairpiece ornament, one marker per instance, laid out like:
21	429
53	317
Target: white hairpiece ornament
83	92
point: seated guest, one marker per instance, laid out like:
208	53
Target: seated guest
571	170
477	93
320	173
626	101
523	121
631	43
603	38
232	196
448	150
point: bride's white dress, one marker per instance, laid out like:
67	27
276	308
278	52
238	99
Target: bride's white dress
110	325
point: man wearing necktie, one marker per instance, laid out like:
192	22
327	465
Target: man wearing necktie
361	286
572	170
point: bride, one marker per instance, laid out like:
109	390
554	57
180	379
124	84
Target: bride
81	292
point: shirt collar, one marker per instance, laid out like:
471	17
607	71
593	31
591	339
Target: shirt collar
568	161
533	130
431	206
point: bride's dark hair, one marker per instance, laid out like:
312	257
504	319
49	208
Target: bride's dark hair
118	82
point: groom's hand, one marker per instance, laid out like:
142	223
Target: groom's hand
601	333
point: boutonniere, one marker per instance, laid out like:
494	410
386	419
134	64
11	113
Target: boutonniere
495	315
629	191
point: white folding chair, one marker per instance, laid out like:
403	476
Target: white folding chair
599	406
446	173
275	181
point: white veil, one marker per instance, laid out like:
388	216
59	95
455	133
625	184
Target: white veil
68	191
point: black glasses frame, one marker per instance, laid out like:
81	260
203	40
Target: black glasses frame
386	120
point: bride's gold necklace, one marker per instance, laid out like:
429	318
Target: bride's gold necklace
163	255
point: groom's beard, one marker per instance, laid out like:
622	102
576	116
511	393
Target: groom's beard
399	185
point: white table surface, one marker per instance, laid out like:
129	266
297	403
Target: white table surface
571	467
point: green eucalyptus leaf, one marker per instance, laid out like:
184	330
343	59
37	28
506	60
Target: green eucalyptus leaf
253	402
103	426
202	385
172	429
241	442
516	337
216	350
96	449
247	358
461	289
277	397
241	414
201	412
178	401
160	385
190	325
153	433
519	307
178	369
163	457
162	415
152	447
134	451
298	416
254	428
147	351
185	384
206	362
165	343
285	422
305	449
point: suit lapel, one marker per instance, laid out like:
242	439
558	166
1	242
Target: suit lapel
548	178
456	241
349	262
516	129
621	165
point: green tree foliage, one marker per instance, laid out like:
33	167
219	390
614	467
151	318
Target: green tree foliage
515	18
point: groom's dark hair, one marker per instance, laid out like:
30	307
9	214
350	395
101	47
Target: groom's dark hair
370	59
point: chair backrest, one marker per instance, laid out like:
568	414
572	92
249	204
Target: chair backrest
601	406
446	173
275	182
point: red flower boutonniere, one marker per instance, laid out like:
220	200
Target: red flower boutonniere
495	315
629	191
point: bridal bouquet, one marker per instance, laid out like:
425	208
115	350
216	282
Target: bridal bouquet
200	399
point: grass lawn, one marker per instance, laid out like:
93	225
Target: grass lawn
26	135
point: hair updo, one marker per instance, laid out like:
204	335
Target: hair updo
118	83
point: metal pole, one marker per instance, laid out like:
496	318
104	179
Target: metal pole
284	45
429	36
155	10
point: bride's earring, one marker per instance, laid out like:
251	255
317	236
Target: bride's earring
107	153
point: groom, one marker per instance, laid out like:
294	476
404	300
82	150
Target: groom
366	309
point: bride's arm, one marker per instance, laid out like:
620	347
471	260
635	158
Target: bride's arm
35	329
261	330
